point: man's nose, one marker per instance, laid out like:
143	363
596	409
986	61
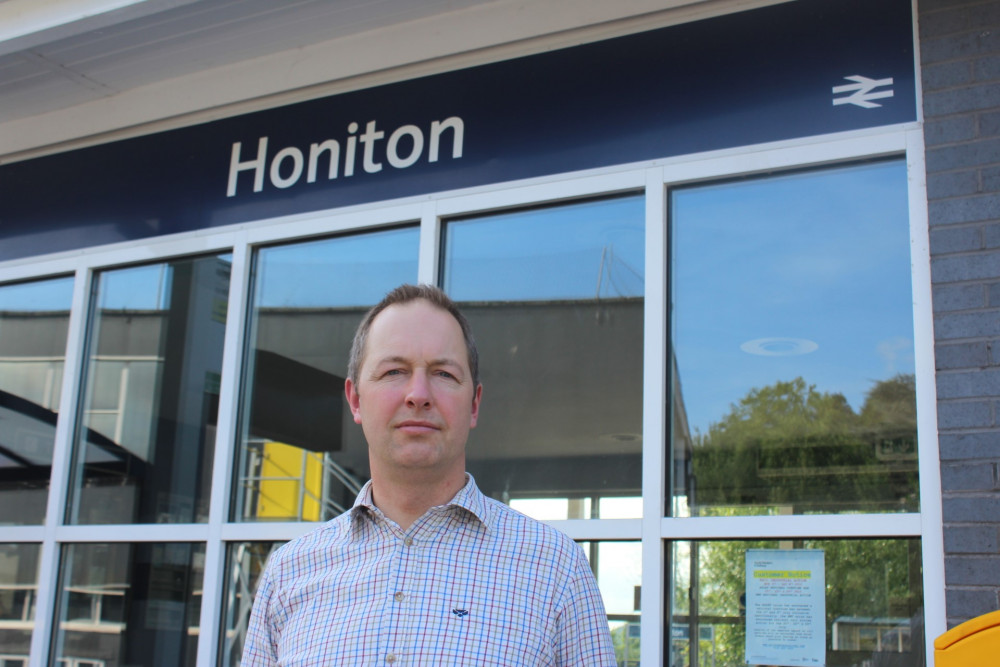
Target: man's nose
418	391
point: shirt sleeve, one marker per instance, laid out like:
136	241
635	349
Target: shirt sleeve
260	646
583	638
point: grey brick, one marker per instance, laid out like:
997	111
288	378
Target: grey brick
933	8
982	539
990	179
988	68
960	100
967	325
965	209
957	477
983	15
953	184
993	297
989	123
958	297
940	23
969	384
971	570
950	130
958	446
977	154
991	236
962	355
982	509
978	41
955	268
947	75
966	603
960	239
965	415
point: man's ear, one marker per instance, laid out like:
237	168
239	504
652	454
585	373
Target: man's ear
353	399
476	399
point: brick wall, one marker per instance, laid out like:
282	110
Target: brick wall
960	60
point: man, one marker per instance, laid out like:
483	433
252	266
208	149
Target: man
424	569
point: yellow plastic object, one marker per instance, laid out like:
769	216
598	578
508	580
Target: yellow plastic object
975	643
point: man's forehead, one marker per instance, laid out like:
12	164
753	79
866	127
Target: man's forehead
415	308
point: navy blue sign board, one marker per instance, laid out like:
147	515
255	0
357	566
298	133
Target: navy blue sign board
790	70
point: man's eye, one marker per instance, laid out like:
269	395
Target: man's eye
394	371
446	375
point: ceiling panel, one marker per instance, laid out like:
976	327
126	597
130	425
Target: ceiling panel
182	40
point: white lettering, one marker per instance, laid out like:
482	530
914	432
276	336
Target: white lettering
403	148
418	146
330	146
297	161
437	128
352	142
257	164
368	139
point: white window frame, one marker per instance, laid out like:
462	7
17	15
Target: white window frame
654	530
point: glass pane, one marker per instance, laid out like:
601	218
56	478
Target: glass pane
144	450
301	457
555	298
244	563
618	568
34	319
130	604
839	602
793	370
18	588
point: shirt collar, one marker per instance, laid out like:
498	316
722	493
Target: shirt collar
469	498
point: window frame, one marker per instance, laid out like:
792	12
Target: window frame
655	530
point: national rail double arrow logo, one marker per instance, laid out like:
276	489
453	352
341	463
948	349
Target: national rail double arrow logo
862	91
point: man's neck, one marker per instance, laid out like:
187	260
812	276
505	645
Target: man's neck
406	500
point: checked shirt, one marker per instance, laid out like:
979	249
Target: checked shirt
471	583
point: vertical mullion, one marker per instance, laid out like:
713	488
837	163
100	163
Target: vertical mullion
654	422
430	245
225	446
928	451
69	398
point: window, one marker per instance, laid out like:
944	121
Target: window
33	326
127	604
18	587
144	447
792	358
555	298
302	457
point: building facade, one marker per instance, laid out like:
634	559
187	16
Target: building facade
733	268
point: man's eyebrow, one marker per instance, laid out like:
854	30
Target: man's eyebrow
442	361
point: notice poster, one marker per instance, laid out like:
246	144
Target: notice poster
786	607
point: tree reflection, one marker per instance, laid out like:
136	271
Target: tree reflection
789	448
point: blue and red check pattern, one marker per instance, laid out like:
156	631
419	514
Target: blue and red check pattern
472	582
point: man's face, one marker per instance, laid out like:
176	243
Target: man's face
414	396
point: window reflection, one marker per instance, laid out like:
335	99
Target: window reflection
302	458
871	607
18	590
34	319
618	568
792	332
555	297
245	562
144	451
130	604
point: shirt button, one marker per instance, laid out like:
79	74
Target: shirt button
399	597
391	658
408	541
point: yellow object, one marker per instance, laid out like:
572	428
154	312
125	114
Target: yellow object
291	483
975	643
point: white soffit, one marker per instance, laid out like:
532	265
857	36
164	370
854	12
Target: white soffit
75	72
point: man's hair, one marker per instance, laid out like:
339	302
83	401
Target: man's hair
402	295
